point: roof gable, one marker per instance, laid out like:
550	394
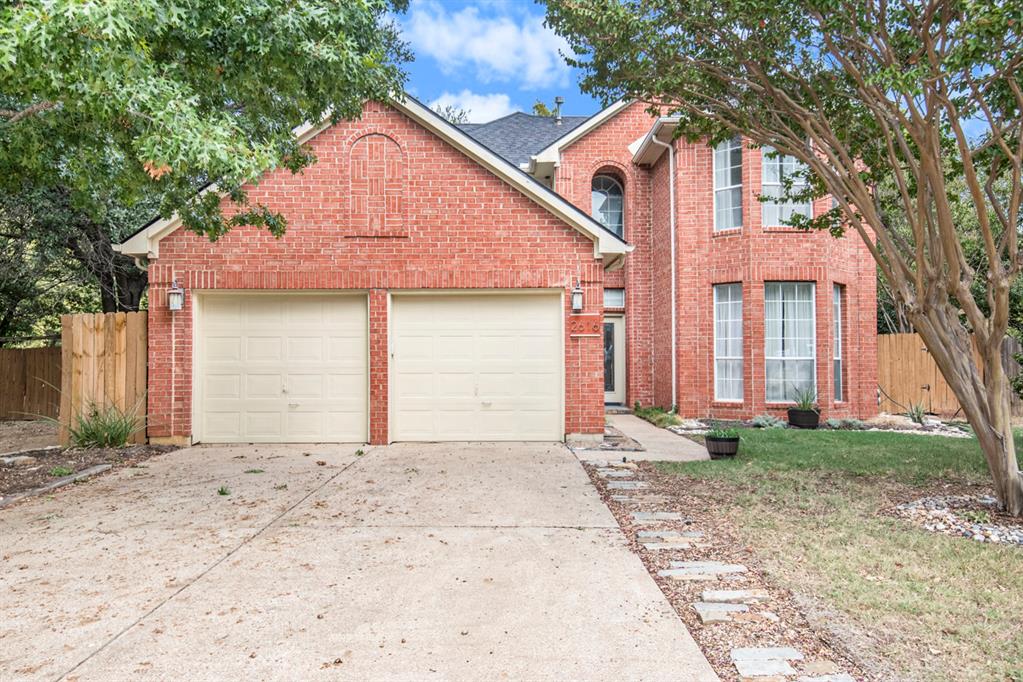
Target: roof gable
607	245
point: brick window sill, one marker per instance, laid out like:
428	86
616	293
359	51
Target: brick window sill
730	232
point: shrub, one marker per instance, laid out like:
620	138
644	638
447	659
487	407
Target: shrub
916	413
768	421
723	433
104	427
846	424
805	399
657	416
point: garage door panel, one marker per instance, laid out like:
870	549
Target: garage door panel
282	368
477	367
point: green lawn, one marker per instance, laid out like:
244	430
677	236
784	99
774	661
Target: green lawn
811	504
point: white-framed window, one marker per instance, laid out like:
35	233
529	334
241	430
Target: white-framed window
607	199
775	169
728	185
836	306
728	342
790	333
614	298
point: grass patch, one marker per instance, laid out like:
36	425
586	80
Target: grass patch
808	503
59	472
657	416
104	427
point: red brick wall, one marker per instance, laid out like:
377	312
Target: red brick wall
605	151
751	255
459	227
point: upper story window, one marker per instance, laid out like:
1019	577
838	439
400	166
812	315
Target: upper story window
776	169
607	197
728	184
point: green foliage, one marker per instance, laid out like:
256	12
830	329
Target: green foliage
768	421
917	412
452	113
254	471
847	424
123	97
105	427
541	109
223	490
804	399
722	433
58	472
657	416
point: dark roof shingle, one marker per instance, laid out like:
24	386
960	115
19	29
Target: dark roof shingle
518	136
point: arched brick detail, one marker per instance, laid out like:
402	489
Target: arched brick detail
377	186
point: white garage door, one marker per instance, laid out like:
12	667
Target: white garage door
477	367
281	368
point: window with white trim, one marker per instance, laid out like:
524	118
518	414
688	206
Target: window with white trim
837	341
614	298
776	168
789	340
728	185
728	342
607	200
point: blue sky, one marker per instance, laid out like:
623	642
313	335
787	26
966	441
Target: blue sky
490	57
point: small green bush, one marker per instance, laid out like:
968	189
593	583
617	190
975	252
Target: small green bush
657	416
58	472
846	424
104	427
723	433
916	413
768	421
223	490
805	399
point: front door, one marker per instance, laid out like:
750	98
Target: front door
614	359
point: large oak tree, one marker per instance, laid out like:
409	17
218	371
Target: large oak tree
921	94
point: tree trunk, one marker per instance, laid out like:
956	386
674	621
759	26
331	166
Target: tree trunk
984	397
131	284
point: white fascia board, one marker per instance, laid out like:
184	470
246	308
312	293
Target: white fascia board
646	152
146	242
552	153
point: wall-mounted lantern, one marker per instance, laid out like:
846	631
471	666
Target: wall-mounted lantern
175	297
577	299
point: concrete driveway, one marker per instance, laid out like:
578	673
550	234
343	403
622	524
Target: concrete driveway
411	562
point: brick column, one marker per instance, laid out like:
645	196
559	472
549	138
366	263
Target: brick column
378	358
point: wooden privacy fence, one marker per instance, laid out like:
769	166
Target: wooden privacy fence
103	364
29	382
908	375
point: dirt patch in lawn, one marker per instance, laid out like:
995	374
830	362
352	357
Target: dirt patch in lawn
21	435
35	468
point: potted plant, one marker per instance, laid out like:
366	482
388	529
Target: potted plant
805	414
722	443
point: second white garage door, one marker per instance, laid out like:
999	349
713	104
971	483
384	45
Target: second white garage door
281	368
477	367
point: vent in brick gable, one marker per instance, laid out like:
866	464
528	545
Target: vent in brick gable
377	190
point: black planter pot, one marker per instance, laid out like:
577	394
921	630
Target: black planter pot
721	448
804	419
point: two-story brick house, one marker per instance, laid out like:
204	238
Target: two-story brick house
502	281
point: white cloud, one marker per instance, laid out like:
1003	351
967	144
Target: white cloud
481	108
501	48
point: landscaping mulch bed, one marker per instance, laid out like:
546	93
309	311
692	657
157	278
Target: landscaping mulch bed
33	469
781	621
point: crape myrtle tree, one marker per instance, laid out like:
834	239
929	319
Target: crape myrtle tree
126	98
919	94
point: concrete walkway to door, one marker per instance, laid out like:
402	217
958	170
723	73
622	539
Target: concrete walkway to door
411	562
660	445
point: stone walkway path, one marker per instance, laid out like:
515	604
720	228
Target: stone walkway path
730	595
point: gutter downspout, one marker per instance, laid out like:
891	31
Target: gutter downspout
674	279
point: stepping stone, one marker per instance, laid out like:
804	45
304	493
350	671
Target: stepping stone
718	613
821	667
686	576
709	566
735	596
837	677
625	498
669	534
615	473
665	546
650	517
784	653
627	485
765	661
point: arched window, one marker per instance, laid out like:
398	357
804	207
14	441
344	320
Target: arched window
607	197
